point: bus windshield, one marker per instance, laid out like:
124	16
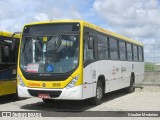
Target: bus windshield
56	53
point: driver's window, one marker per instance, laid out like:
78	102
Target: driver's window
88	53
7	55
4	53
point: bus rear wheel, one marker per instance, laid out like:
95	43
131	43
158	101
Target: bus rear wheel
98	99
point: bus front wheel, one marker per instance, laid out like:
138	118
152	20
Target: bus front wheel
48	101
131	88
98	99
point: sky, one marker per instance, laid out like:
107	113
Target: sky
136	19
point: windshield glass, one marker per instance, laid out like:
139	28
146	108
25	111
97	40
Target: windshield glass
49	54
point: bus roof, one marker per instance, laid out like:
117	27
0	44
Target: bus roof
9	34
87	24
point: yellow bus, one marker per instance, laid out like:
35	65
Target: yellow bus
8	62
76	60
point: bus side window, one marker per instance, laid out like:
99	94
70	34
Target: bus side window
88	49
140	51
5	53
129	52
0	54
122	50
7	56
113	43
102	47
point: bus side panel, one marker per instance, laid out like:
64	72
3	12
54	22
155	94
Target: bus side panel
9	87
126	70
88	80
8	80
113	76
132	67
117	75
0	88
139	72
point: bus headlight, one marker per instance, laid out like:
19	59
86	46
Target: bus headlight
73	82
20	81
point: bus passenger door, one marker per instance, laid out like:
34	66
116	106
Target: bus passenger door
124	63
125	74
89	71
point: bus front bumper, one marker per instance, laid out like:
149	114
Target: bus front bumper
74	93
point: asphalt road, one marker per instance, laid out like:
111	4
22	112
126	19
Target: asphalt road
146	99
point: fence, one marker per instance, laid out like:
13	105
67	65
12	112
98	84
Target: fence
152	64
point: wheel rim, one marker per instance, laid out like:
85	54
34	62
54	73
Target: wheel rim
99	93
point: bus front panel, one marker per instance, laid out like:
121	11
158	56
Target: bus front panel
50	62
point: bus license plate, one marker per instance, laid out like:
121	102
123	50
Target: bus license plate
44	96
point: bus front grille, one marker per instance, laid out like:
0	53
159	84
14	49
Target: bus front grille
35	93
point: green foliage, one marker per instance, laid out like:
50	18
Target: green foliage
151	67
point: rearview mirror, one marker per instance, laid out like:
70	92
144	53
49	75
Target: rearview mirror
15	42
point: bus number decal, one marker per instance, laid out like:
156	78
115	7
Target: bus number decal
56	85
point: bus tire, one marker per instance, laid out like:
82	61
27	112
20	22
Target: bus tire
131	88
15	95
48	101
98	99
